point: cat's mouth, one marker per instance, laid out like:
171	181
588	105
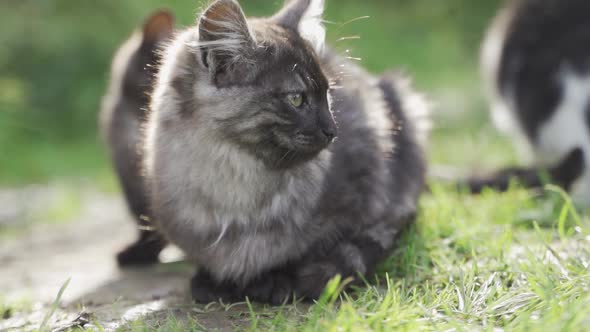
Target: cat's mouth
312	143
300	148
304	140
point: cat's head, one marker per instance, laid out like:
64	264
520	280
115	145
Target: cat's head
271	95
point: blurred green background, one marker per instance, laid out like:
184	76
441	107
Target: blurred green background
55	58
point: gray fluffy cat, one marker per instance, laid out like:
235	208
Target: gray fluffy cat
122	118
274	163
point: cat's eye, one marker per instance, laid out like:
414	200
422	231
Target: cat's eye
295	99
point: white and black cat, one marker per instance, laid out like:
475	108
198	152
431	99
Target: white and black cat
122	118
274	163
536	61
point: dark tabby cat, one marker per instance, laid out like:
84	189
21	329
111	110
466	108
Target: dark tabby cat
537	62
122	119
274	163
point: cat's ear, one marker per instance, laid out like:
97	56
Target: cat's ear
224	35
158	26
305	17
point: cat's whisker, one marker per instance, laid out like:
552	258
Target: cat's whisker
353	20
283	157
293	156
354	58
348	38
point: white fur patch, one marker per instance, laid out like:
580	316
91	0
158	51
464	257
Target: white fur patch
491	55
311	27
568	129
502	105
491	52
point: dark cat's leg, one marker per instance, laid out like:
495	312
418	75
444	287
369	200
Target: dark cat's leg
144	251
354	259
564	174
274	287
204	289
306	279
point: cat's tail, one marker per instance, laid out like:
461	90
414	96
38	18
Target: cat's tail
564	174
410	115
414	106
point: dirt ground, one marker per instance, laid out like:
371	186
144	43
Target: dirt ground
36	264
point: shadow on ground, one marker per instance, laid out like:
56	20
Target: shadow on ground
36	264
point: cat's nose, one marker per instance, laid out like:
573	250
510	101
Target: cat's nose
327	125
330	133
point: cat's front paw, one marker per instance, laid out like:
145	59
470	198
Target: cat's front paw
276	287
313	278
206	290
139	254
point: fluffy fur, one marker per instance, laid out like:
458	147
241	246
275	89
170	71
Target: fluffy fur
307	17
255	189
121	120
